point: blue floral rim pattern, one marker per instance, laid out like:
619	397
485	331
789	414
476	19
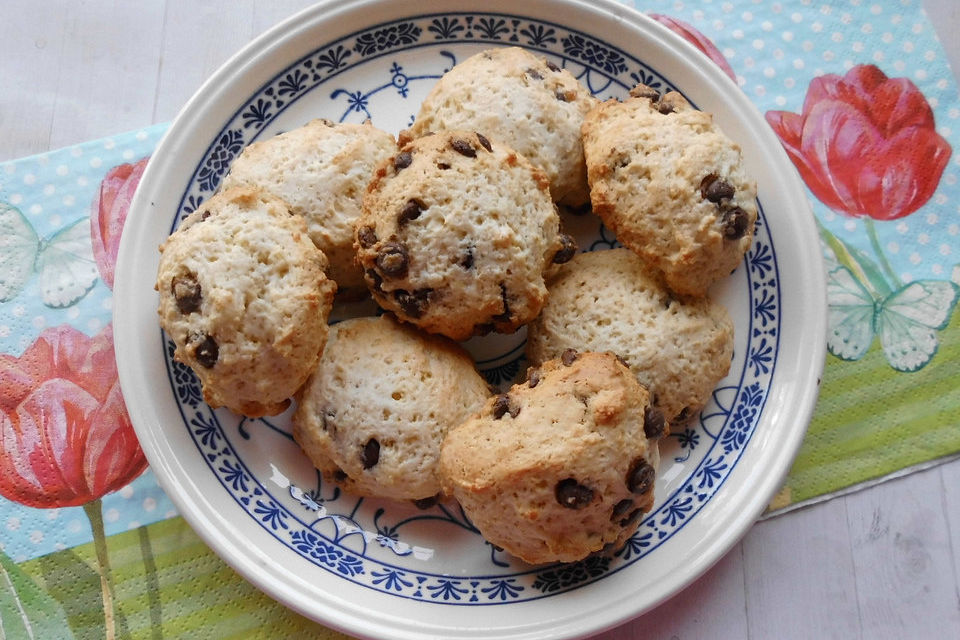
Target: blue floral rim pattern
332	531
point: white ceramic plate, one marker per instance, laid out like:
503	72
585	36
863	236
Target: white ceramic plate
388	570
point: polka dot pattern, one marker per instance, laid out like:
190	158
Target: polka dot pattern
54	190
777	48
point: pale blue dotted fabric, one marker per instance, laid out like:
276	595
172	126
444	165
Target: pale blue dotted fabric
777	47
54	190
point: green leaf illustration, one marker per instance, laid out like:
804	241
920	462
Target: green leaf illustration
26	610
75	583
862	267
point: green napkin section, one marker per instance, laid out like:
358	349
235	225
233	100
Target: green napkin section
165	583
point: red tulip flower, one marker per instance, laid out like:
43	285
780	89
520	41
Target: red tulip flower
110	212
65	436
697	39
865	144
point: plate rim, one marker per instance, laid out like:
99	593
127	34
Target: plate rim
213	535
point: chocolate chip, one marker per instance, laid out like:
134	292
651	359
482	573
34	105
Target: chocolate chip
665	107
505	315
377	280
483	328
533	377
463	147
683	415
370	454
426	503
467	260
533	73
621	508
734	223
482	139
367	237
505	404
552	66
573	495
207	352
393	260
403	160
640	476
568	249
205	214
714	188
501	406
565	95
410	211
413	304
630	519
653	422
443	166
186	291
643	91
569	356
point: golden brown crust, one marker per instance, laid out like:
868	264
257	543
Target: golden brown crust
650	161
544	471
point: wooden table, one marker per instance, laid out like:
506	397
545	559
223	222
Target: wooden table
882	562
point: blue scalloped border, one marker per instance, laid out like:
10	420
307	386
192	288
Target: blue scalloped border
738	421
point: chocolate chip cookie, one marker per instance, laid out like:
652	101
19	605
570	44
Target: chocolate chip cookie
320	170
525	100
679	347
671	185
456	234
379	403
244	296
560	466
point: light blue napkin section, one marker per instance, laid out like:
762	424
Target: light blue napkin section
54	190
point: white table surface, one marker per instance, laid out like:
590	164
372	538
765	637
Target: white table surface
882	562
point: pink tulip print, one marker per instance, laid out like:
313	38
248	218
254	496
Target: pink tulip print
697	39
110	212
65	436
867	147
865	144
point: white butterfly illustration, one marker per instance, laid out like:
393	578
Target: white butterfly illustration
906	320
64	261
